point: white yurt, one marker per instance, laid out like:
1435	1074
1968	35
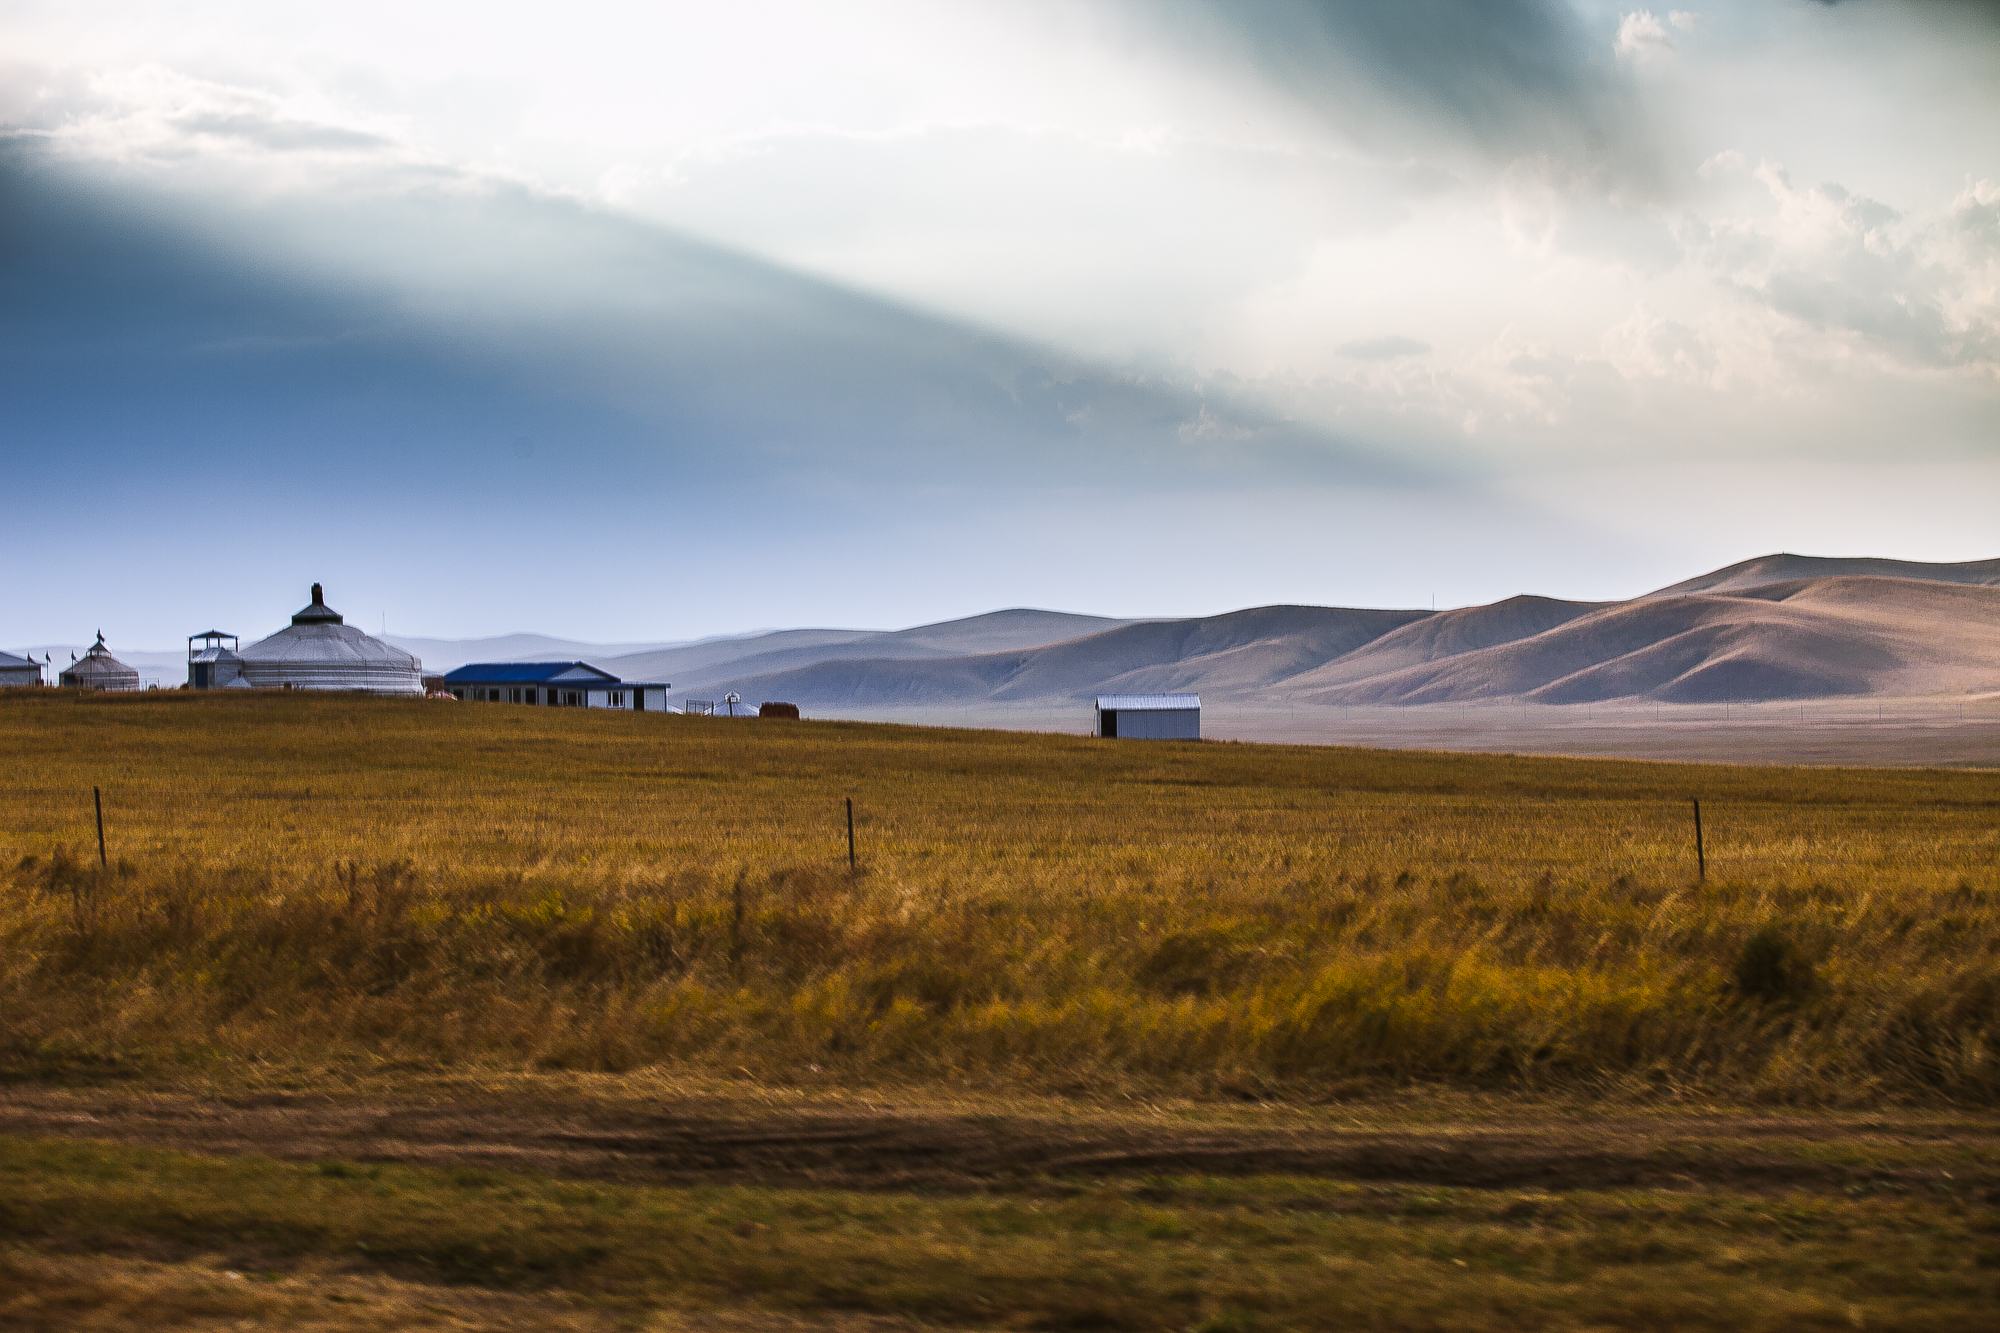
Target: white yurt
97	669
320	651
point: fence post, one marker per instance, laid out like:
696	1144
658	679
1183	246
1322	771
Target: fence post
97	796
1700	853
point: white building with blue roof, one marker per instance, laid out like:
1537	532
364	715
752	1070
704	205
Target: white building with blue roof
554	685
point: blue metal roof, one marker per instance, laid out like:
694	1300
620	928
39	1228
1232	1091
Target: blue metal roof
523	673
1146	703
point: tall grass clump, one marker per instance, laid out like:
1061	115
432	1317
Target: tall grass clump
1347	982
329	881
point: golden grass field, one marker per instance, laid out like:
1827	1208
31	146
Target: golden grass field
332	902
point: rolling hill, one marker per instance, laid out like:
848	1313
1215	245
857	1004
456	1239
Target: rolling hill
1242	652
1780	627
1769	569
715	666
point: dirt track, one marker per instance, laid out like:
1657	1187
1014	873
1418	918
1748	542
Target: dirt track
689	1140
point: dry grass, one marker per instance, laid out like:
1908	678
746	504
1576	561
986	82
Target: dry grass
304	880
319	1244
104	1294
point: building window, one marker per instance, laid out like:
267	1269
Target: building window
617	698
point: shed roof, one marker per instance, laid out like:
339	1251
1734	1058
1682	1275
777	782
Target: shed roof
9	660
1147	703
517	673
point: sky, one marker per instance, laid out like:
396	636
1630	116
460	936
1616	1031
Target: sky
624	321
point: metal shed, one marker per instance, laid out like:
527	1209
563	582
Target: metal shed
19	670
1149	717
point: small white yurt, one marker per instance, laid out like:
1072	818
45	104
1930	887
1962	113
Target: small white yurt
320	651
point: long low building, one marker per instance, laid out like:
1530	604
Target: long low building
1149	717
19	670
554	684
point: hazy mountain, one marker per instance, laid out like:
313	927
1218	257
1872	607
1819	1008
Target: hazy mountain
1800	639
1767	569
718	667
1444	635
441	655
1240	652
1735	634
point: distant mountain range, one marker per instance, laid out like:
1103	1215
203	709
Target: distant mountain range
767	650
1777	627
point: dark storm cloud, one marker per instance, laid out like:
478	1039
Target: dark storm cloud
1509	77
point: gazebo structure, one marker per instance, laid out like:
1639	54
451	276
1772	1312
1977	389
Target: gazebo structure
97	669
212	666
320	651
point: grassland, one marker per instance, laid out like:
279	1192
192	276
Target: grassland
338	902
326	879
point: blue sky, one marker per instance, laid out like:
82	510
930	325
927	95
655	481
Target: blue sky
653	321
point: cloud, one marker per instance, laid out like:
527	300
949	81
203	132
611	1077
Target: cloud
1653	345
1307	245
455	305
1923	290
1509	78
1641	34
283	135
1384	349
153	115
